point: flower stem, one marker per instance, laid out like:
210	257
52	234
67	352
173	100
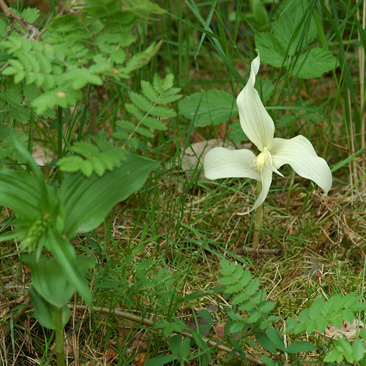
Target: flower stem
60	355
258	219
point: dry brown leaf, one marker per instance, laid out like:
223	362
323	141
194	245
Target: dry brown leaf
140	359
348	330
42	155
220	330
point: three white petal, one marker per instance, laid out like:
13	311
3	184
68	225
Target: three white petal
258	125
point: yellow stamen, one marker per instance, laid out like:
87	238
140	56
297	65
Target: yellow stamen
262	159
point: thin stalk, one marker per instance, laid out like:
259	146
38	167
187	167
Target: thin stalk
361	69
258	219
59	132
60	355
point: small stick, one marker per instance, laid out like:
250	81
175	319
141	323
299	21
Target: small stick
257	251
149	323
12	16
128	316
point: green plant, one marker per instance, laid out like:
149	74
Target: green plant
47	220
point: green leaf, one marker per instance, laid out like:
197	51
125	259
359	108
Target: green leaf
295	25
265	342
274	335
140	59
70	163
208	108
64	254
140	101
314	63
161	360
174	343
49	280
21	192
358	349
163	112
45	313
154	124
300	346
30	14
270	49
78	193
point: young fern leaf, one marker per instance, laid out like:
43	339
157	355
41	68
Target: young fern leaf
148	110
246	297
322	313
93	158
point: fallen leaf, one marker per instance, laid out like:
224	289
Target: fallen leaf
348	330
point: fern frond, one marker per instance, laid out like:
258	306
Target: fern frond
322	313
246	296
148	110
93	158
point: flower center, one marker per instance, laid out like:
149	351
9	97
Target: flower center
263	158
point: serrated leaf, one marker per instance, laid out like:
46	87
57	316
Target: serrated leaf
127	125
144	132
70	163
140	59
140	101
149	91
130	108
300	346
30	14
163	112
154	123
118	56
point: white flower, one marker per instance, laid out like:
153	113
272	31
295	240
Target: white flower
274	152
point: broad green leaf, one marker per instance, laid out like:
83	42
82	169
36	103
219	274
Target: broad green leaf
300	346
21	192
270	49
208	108
160	360
64	254
175	343
88	200
49	280
45	313
295	25
314	63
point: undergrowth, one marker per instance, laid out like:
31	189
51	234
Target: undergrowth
175	279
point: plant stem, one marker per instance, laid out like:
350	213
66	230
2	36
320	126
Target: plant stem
258	219
60	355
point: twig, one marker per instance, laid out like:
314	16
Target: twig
128	316
257	251
149	323
29	28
